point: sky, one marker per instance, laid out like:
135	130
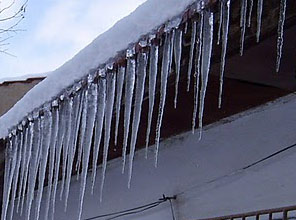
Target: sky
56	30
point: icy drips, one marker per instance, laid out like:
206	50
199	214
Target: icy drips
177	55
192	45
197	70
243	21
163	87
98	127
129	91
259	19
140	85
208	27
152	83
251	5
90	111
220	21
108	119
226	16
280	38
119	85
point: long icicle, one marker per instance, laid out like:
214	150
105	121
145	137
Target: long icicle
152	84
243	23
208	27
226	17
140	86
197	71
193	36
65	148
178	54
259	19
91	111
52	149
129	90
75	122
20	137
119	84
98	128
7	158
280	38
163	86
108	120
47	129
251	5
221	2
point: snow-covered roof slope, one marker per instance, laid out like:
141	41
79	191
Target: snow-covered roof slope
144	19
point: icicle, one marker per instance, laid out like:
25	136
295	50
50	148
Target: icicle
33	165
226	16
99	127
172	50
91	100
119	84
152	83
129	90
12	154
75	115
207	43
46	123
81	137
259	19
28	159
52	149
243	22
65	147
178	54
23	164
141	75
197	70
250	12
108	118
20	140
60	137
220	21
280	38
163	86
7	158
193	36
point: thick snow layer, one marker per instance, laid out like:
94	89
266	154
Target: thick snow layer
144	19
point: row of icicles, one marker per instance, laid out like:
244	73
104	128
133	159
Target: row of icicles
67	126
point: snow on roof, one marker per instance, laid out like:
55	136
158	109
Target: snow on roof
143	20
22	78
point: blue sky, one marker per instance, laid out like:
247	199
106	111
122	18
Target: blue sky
55	30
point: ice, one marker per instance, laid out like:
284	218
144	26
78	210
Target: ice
12	153
91	111
208	27
46	123
259	19
99	127
139	92
65	147
33	165
220	21
173	31
119	85
54	134
243	21
152	83
226	17
19	146
75	116
111	78
178	54
280	38
250	12
193	39
163	86
197	70
129	90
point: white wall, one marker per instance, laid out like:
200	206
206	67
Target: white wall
205	174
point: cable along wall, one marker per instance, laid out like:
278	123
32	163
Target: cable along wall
80	118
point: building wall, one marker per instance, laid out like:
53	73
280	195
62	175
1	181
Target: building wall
211	177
